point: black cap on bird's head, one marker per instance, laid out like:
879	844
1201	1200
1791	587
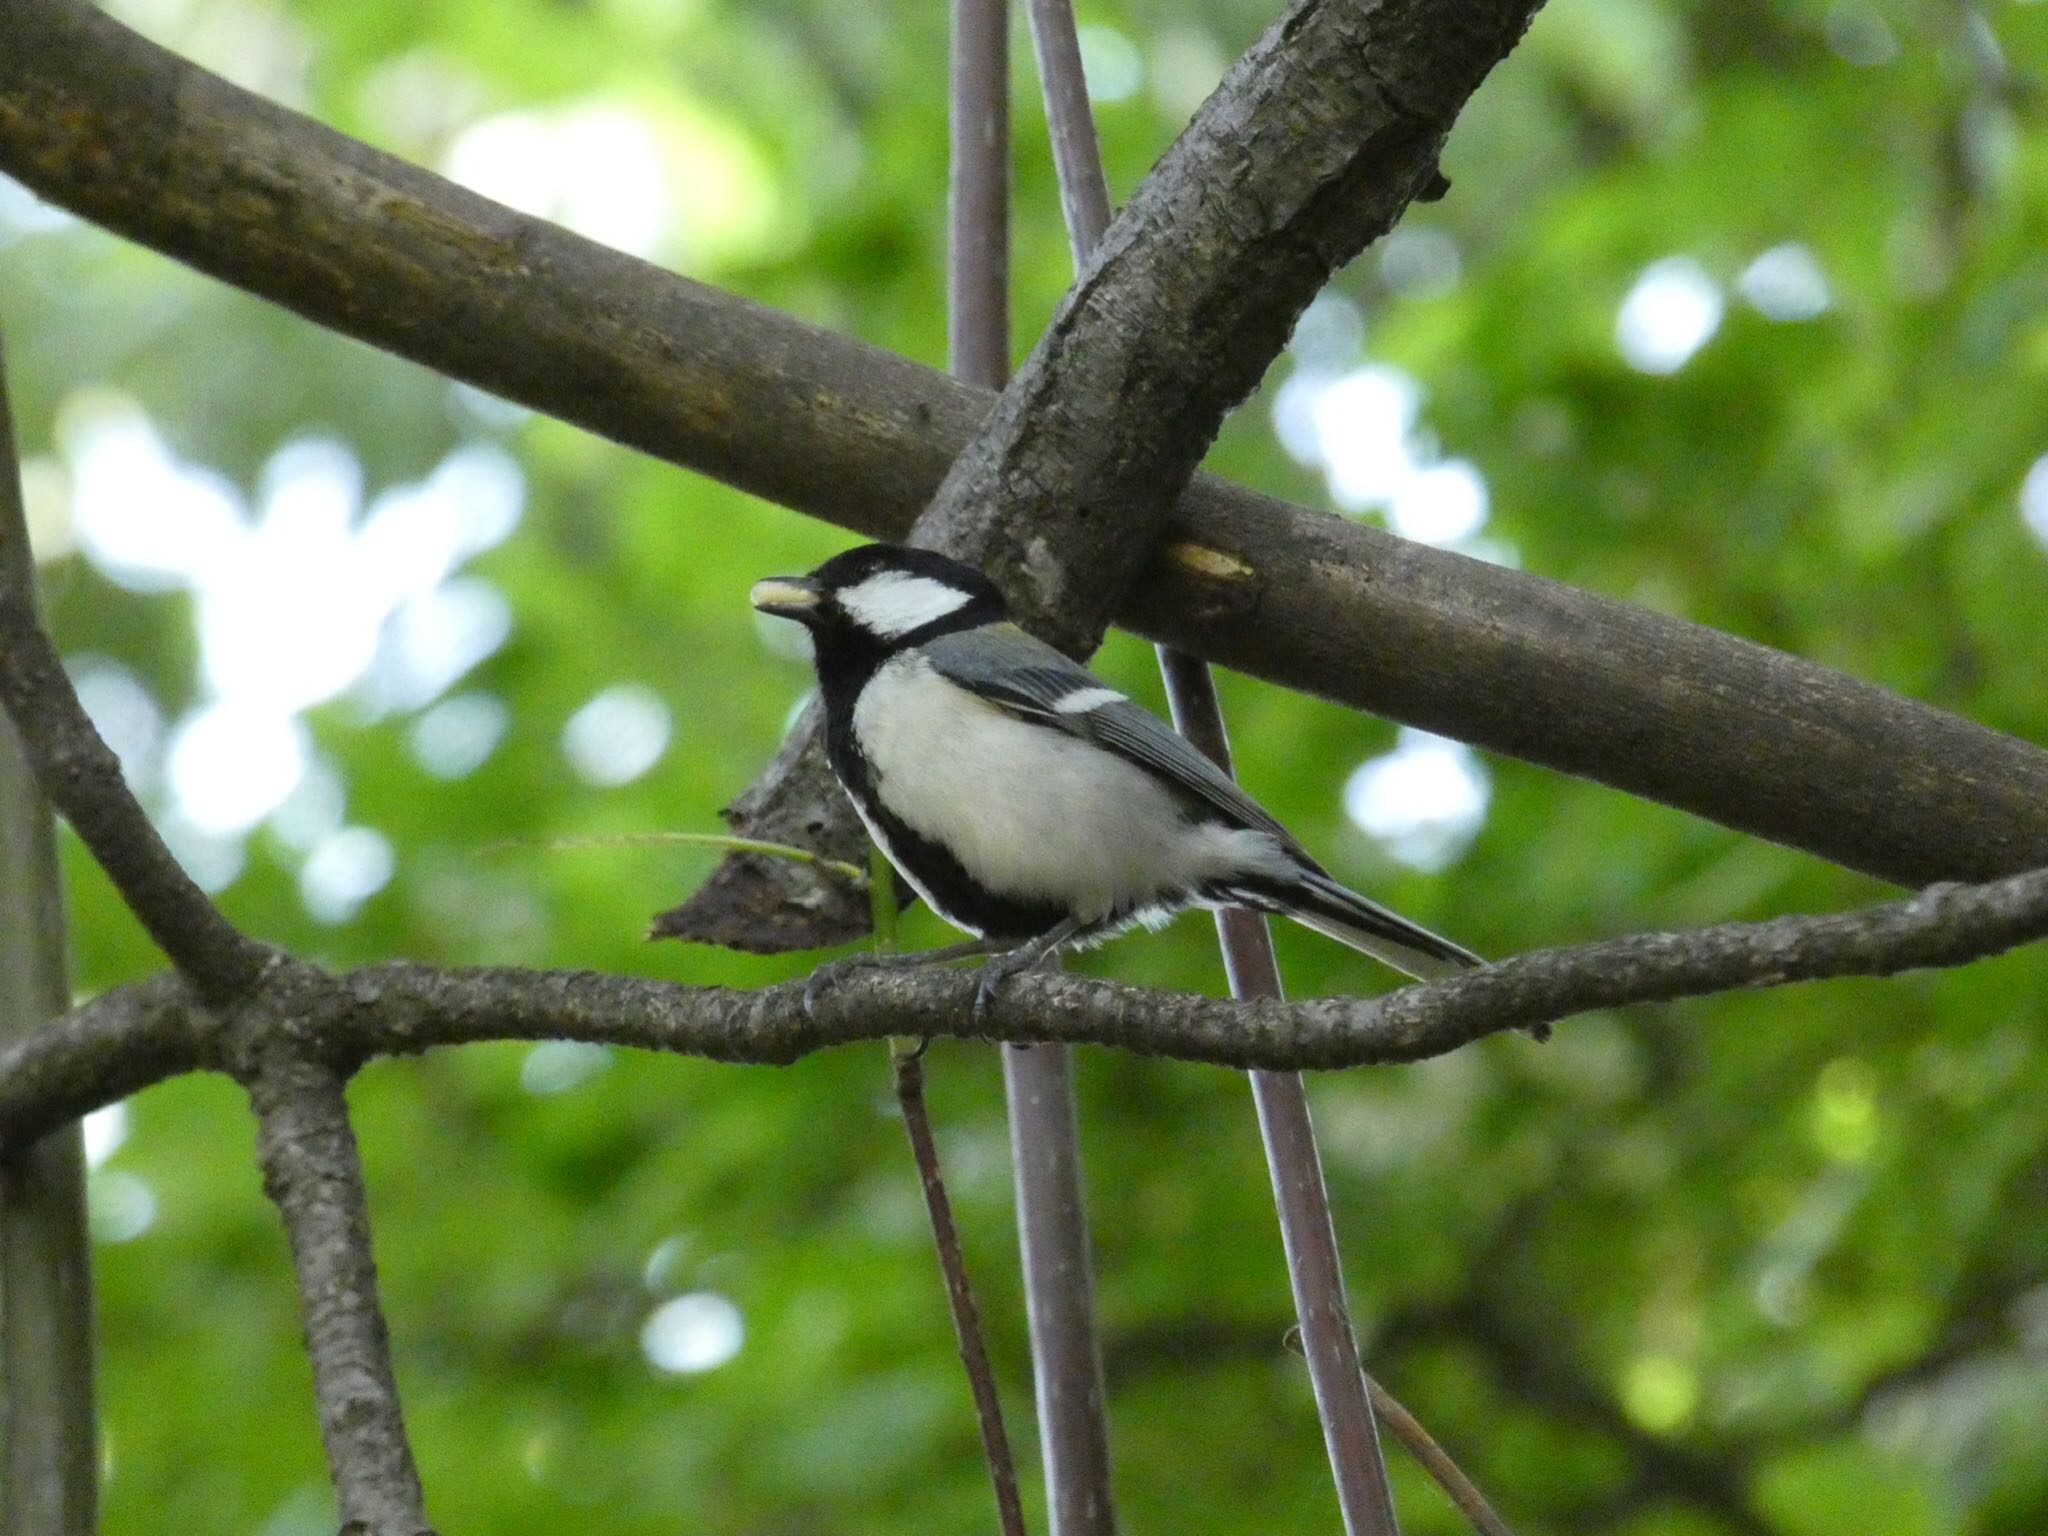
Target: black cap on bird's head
883	594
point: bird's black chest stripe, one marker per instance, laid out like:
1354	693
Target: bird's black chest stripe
953	893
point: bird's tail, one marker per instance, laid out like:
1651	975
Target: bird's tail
1316	901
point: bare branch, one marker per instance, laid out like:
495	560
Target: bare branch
50	1483
981	1377
1059	1286
1436	1461
311	1171
402	1009
118	130
82	777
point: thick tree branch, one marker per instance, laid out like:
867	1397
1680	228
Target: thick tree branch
1311	147
108	125
1307	1231
82	777
312	1173
404	1009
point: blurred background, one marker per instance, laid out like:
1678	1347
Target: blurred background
1737	309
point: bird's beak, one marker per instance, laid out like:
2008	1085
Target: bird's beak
787	597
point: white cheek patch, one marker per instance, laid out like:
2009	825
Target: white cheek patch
894	604
1081	700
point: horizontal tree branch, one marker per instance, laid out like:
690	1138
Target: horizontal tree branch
136	1035
112	127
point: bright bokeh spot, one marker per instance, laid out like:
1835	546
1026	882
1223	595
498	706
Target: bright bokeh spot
104	1130
556	1066
123	712
1443	504
695	1332
1361	423
1786	283
316	808
457	736
434	639
1328	336
1845	1115
232	764
617	736
1672	311
119	1207
344	870
147	522
595	168
1659	1392
1424	801
1111	64
1420	263
2034	500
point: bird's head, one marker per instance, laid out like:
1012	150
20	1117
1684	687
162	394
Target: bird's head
882	595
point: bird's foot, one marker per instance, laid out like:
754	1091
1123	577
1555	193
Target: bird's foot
999	968
832	972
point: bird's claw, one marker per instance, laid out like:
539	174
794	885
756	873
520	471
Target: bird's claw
996	970
831	973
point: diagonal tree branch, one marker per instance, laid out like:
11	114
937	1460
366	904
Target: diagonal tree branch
1308	1232
116	129
402	1009
50	1482
313	1175
82	778
1312	145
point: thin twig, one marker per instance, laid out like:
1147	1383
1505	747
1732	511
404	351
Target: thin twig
312	1172
1436	1461
908	1063
852	874
50	1482
1038	1088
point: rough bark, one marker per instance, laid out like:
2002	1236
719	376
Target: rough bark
95	1055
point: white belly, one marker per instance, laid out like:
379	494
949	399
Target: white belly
1030	812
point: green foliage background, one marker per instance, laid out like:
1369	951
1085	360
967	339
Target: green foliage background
1771	1263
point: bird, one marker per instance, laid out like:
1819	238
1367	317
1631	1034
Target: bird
1029	803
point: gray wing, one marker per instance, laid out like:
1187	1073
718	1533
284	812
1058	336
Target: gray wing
1025	676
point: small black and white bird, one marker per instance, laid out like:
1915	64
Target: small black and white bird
1028	802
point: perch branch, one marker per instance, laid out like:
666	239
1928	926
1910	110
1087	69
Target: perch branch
403	1009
